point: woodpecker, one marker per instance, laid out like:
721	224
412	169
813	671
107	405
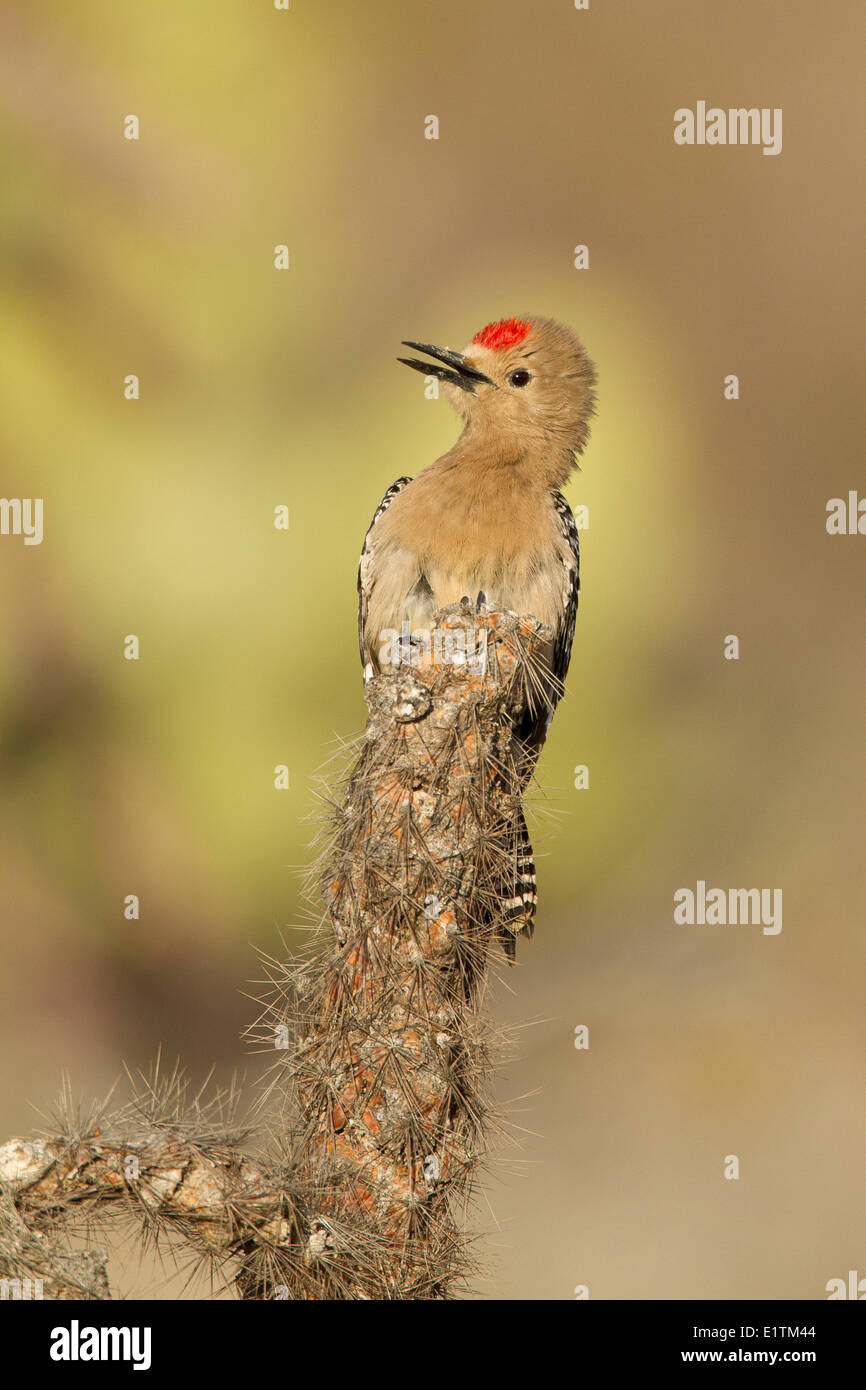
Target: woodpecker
488	519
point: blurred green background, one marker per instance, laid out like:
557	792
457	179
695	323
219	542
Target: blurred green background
261	388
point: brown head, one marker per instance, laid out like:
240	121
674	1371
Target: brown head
524	387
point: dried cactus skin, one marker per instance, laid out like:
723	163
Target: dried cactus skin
358	1189
392	1073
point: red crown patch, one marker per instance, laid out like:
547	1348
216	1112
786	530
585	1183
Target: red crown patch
504	334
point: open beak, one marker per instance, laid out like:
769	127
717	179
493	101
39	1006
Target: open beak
457	369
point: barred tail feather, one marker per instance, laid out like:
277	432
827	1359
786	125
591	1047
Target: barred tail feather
519	890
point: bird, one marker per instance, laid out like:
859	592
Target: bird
488	518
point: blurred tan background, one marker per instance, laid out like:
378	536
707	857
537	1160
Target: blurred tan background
260	387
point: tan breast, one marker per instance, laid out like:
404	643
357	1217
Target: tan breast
454	532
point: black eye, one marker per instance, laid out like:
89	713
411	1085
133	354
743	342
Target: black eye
520	378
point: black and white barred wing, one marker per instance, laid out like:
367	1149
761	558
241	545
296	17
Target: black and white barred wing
564	636
365	575
548	691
